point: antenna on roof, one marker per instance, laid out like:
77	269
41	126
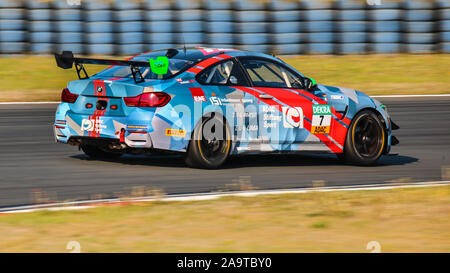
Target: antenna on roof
184	44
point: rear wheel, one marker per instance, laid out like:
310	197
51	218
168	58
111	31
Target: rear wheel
210	143
97	153
365	139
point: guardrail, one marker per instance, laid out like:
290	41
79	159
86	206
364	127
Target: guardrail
126	27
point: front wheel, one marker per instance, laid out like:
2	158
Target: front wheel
210	144
365	139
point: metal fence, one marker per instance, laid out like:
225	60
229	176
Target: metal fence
126	27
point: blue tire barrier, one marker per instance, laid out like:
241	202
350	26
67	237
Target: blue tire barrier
12	47
39	14
128	15
419	48
96	49
70	37
352	26
75	48
130	38
160	46
12	24
254	48
98	15
40	26
251	16
69	26
41	37
193	37
443	4
191	26
10	4
130	26
252	38
99	38
183	4
249	5
161	37
386	37
68	15
159	15
352	15
219	15
415	4
314	4
94	27
283	5
220	27
444	14
288	38
41	48
12	36
321	37
286	15
419	26
353	37
219	38
287	27
320	26
419	15
160	26
130	49
251	27
62	4
349	5
386	47
319	15
96	5
420	38
444	25
288	49
189	15
157	4
444	36
126	5
321	48
386	26
217	5
445	47
351	48
11	14
385	14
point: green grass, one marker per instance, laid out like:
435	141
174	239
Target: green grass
36	78
401	220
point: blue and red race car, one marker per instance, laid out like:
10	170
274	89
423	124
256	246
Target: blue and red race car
210	103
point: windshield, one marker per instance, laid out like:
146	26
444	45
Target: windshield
175	66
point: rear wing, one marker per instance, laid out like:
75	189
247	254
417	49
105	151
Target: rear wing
66	60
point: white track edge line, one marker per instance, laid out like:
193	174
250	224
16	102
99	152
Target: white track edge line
77	205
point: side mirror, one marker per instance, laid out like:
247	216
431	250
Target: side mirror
308	83
233	80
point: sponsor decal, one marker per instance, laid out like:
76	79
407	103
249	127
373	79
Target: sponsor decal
292	117
175	132
215	101
321	120
197	94
337	97
136	127
160	65
91	125
60	122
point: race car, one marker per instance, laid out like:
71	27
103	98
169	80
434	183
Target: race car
211	103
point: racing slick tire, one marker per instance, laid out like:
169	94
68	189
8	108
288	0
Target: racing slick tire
365	140
97	153
209	152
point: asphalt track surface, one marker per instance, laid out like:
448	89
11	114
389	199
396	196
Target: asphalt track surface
32	163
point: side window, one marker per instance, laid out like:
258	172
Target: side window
268	74
224	73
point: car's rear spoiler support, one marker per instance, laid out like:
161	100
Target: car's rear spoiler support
66	60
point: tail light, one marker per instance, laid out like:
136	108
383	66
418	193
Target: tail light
152	99
67	96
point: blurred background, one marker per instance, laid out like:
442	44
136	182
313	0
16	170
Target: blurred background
127	27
